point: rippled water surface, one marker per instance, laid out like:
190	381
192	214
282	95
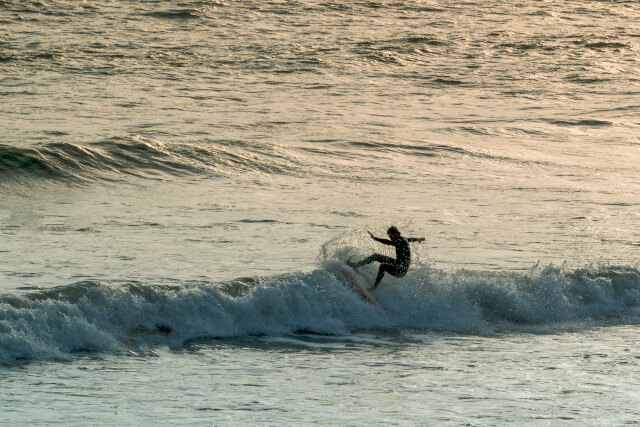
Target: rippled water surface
180	182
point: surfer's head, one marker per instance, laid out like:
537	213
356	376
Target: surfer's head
393	232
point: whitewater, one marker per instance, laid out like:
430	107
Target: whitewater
180	183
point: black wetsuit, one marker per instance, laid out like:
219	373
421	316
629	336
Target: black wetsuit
397	267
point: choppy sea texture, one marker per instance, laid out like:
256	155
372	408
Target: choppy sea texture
222	86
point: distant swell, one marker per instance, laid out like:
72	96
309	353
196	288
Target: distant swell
117	159
93	316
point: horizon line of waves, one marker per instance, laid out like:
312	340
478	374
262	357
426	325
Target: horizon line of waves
53	324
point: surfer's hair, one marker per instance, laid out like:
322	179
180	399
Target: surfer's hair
393	230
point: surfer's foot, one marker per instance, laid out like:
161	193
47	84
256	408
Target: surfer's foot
350	264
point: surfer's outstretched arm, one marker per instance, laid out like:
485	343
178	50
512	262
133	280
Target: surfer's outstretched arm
415	239
378	239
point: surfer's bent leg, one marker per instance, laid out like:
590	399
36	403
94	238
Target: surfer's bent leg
381	271
395	269
375	257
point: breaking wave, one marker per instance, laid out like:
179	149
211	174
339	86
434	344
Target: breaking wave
94	316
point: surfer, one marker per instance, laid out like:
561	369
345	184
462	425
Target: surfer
397	267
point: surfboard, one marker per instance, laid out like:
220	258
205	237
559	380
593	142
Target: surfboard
356	283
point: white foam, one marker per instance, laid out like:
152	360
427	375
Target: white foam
99	317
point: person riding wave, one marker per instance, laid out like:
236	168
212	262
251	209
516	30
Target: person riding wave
397	267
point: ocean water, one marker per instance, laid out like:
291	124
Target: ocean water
180	182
